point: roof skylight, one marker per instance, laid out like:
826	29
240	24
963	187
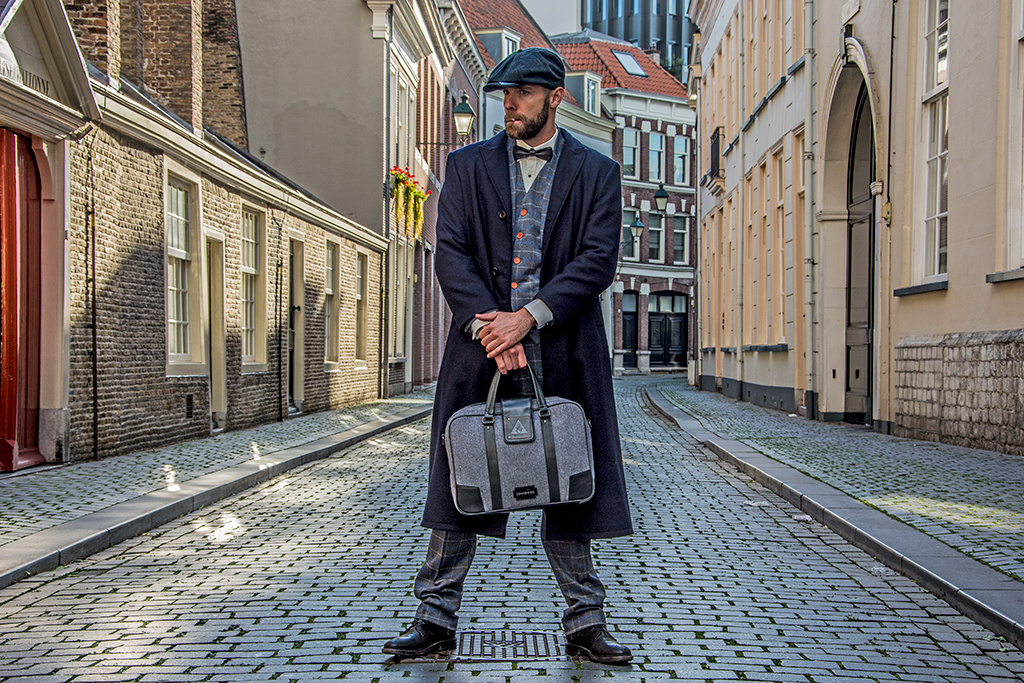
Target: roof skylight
629	63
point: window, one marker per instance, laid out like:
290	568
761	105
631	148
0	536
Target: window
591	100
937	192
630	152
654	237
362	292
179	256
253	289
510	44
655	156
185	284
937	41
681	240
629	63
673	7
332	318
629	246
937	108
681	165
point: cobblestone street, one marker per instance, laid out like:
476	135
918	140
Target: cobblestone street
304	576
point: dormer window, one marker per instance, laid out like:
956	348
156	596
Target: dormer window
592	95
510	44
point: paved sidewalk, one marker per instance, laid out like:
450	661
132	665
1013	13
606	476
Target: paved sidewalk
52	516
949	517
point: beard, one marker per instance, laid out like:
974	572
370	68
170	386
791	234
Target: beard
531	127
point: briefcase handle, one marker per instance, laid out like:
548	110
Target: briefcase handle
492	395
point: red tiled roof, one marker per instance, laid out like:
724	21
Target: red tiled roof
596	55
511	14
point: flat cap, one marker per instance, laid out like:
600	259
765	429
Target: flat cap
531	65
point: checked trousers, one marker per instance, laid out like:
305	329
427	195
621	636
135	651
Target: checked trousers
440	581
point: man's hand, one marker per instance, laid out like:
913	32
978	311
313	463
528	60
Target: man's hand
504	330
512	359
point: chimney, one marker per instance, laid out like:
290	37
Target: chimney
97	28
223	94
172	37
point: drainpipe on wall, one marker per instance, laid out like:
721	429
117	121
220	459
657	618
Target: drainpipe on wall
741	228
809	341
386	256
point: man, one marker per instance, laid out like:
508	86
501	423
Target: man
527	239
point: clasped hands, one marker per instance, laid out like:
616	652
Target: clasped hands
502	337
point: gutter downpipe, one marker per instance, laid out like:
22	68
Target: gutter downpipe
809	246
386	256
742	208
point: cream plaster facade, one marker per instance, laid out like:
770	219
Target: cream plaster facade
909	317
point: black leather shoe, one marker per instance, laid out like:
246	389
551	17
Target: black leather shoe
419	640
597	645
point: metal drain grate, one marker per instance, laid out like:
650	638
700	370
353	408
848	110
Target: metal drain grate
508	646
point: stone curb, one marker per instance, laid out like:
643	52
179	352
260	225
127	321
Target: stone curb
973	588
73	540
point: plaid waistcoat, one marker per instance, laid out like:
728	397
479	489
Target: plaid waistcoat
529	211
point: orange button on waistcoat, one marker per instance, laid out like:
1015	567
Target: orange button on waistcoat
520	235
515	260
514	285
523	212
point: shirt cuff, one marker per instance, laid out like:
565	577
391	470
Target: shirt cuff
474	326
540	312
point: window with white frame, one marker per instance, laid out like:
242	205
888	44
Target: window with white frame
510	44
179	257
656	155
681	240
629	242
630	152
362	294
591	101
251	267
681	166
937	151
332	317
655	235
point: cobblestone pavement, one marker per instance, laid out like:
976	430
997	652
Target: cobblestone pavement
305	576
972	500
36	501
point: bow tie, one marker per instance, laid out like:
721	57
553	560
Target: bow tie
519	153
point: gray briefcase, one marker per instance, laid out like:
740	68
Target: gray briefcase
519	453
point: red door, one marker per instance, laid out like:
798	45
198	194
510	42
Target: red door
19	302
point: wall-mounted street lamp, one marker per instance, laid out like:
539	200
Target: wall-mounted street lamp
661	198
464	116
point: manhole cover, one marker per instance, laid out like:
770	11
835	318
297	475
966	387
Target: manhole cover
507	646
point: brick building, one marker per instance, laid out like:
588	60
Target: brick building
201	289
652	297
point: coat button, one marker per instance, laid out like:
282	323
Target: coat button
494	272
502	215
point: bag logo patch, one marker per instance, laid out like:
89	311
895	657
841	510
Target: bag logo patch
519	429
524	492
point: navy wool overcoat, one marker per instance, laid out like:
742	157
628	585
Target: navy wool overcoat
474	265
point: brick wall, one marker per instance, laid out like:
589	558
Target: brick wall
140	407
223	94
965	389
173	56
97	29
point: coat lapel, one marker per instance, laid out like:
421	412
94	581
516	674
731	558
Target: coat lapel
496	162
569	164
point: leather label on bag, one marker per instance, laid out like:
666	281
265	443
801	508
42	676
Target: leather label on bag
518	418
524	492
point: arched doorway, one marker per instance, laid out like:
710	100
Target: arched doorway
860	267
